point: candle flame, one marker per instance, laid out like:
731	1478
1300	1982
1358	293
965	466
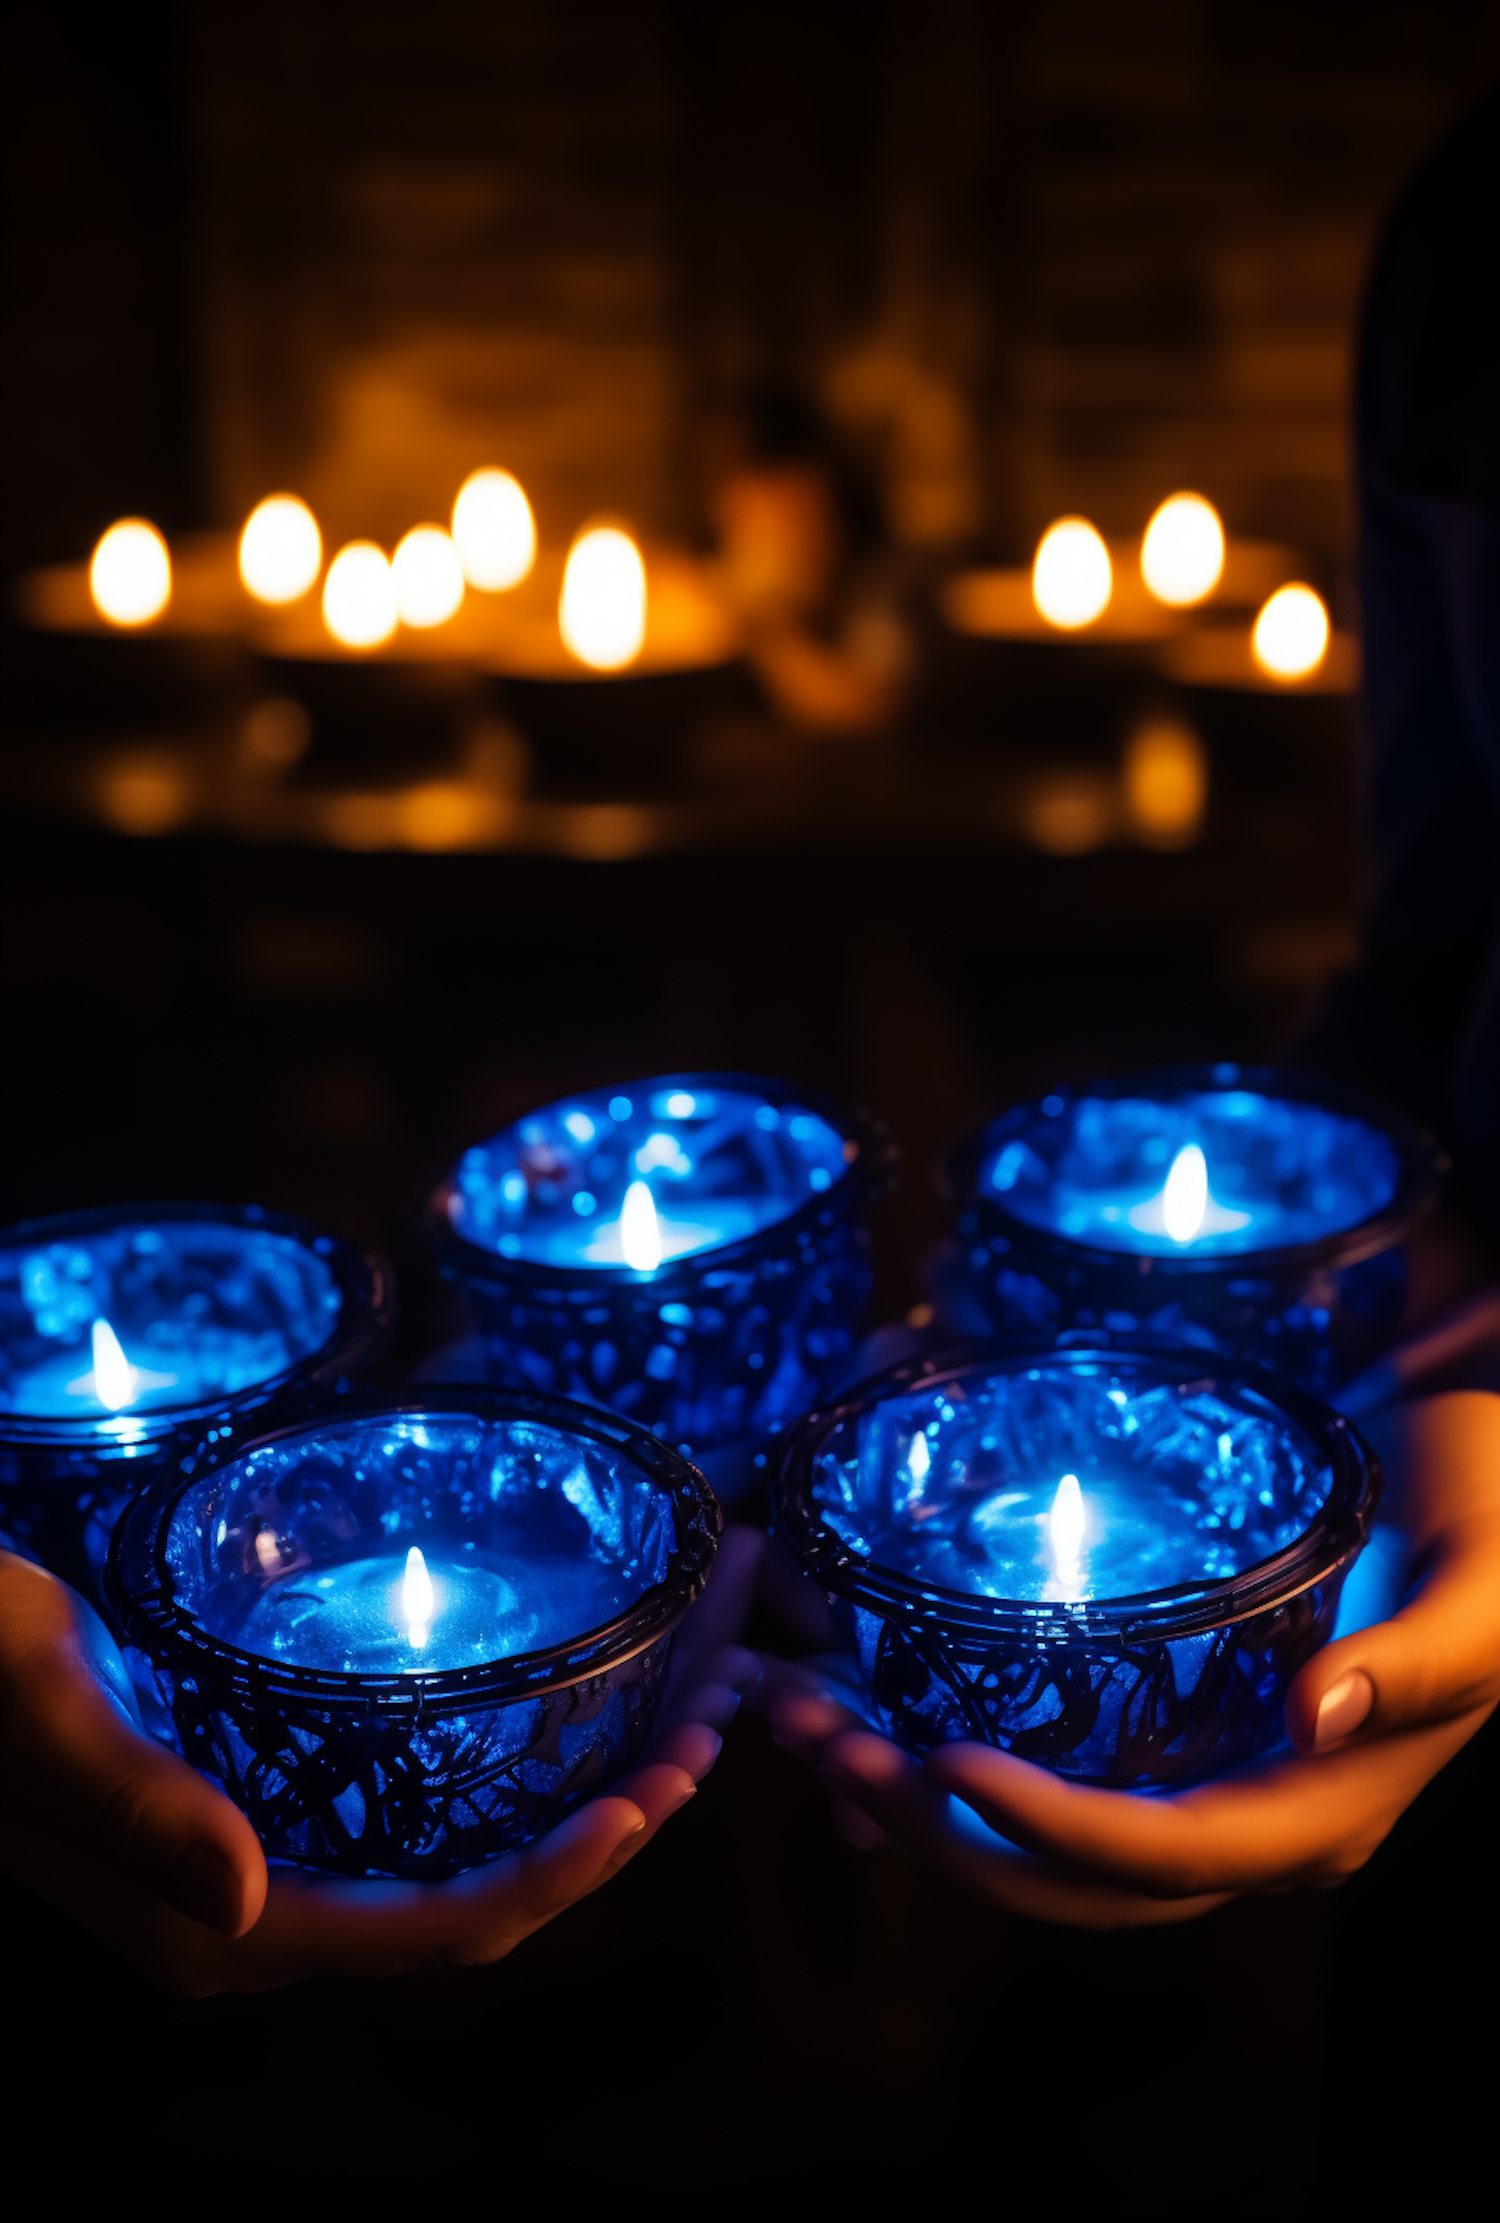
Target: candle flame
1071	579
417	1599
640	1230
919	1459
114	1376
1184	1200
602	613
1065	1524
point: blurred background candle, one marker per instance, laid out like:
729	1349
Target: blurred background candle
494	531
125	1334
1261	1212
281	550
130	577
1109	1558
408	1637
689	1250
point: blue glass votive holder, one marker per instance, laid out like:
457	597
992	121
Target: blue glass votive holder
690	1251
408	1637
1259	1212
1103	1555
128	1332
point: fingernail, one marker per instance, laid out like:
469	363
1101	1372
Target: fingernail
1345	1707
205	1885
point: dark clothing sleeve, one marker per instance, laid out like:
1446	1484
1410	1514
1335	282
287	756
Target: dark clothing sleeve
1420	1019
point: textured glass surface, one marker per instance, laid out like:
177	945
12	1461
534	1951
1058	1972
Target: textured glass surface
719	1164
1067	1483
142	1318
354	1564
1065	1556
528	1538
1095	1169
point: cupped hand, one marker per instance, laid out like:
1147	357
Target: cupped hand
1370	1720
147	1854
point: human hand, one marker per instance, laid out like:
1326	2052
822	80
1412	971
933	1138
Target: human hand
1370	1719
150	1857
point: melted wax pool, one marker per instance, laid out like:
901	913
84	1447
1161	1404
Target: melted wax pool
1214	1173
141	1317
1064	1484
640	1178
411	1545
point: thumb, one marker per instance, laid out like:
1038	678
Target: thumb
1435	1660
73	1766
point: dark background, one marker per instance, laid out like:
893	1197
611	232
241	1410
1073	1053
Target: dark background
1038	259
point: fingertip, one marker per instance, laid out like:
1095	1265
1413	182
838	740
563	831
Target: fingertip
863	1759
738	1666
210	1886
693	1747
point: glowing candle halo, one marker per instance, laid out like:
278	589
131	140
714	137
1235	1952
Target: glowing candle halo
602	613
1290	637
494	531
428	578
130	573
1071	577
1182	551
359	596
281	550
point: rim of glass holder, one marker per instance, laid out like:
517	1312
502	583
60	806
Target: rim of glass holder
1423	1165
866	1175
139	1584
363	1278
1337	1532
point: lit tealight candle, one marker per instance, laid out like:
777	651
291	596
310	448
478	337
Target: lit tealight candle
1071	579
428	578
687	1250
494	531
122	1333
359	596
1182	551
1262	1212
1291	634
281	550
130	577
602	614
1118	1556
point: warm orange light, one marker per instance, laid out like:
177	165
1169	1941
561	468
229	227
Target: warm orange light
494	531
281	550
429	579
130	577
1182	553
1290	639
359	596
1071	580
1166	783
602	614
